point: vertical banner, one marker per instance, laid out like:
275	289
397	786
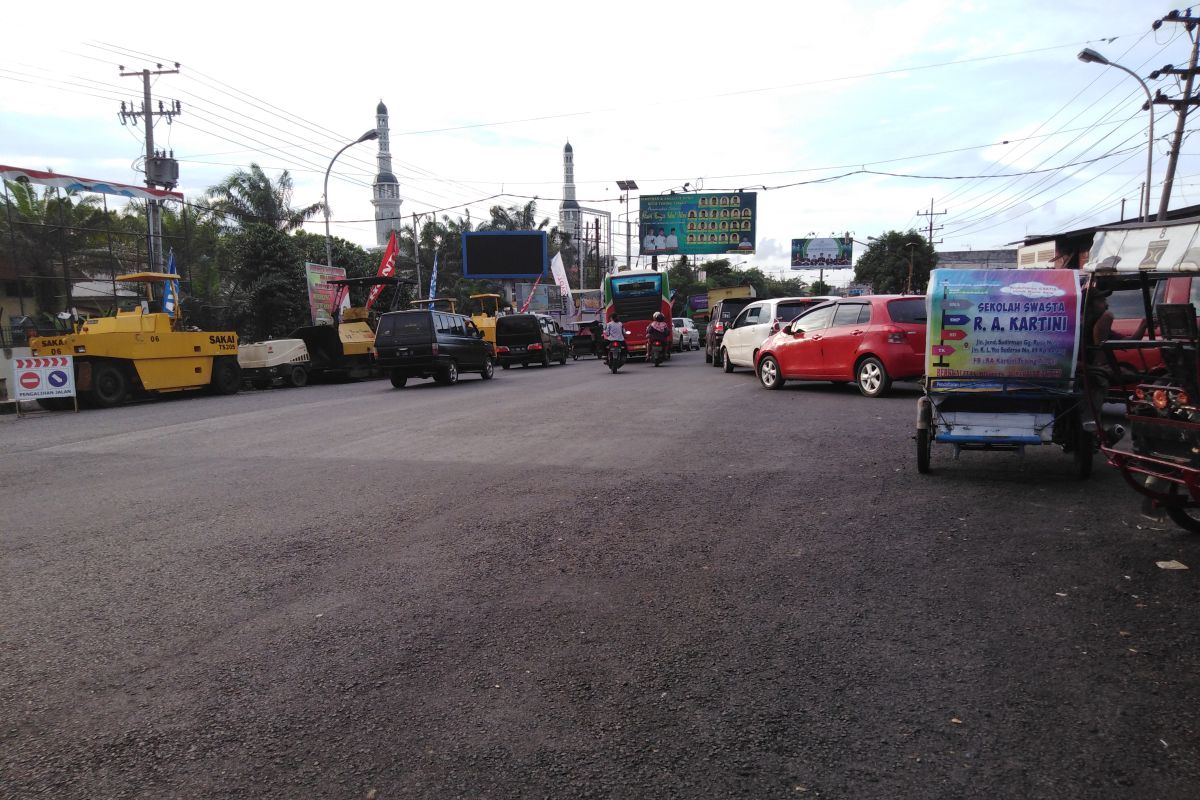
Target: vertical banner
559	271
433	279
170	299
321	294
1003	324
387	268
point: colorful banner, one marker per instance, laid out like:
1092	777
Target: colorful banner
71	183
433	280
321	295
698	224
827	253
170	299
1002	324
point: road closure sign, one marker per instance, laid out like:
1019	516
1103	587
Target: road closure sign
41	378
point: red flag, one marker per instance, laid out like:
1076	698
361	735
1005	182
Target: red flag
387	268
529	299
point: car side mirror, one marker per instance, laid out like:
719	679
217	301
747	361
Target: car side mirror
798	333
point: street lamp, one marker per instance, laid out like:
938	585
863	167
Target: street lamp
1090	56
625	186
371	134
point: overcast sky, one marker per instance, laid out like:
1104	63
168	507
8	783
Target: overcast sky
719	95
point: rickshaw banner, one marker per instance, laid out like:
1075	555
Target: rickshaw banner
986	323
1163	248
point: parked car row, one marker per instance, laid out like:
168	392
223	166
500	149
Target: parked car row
442	345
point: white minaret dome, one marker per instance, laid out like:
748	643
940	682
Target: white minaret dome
568	209
386	189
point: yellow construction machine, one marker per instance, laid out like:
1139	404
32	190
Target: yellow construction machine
485	318
344	349
143	351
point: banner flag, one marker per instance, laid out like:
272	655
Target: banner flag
559	271
433	279
170	298
387	268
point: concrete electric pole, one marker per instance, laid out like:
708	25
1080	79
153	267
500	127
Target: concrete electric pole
162	170
1180	106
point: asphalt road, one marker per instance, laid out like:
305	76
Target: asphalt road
566	583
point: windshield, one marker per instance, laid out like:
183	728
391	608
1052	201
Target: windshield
406	327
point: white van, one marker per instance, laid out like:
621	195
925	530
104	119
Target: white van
758	321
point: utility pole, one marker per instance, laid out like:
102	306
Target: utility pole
930	213
1180	106
162	170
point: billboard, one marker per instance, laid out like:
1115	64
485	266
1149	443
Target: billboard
321	294
826	253
546	298
505	255
698	224
1003	323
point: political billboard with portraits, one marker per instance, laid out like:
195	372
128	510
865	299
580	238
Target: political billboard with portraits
698	224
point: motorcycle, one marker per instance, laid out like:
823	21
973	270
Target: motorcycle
656	352
614	357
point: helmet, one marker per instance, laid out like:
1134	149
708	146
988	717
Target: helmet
658	316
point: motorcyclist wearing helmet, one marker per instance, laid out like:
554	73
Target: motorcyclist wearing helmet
659	331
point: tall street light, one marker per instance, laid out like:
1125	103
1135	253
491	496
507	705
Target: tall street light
1090	56
371	134
625	186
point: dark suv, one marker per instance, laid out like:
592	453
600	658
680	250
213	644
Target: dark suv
431	344
529	339
719	317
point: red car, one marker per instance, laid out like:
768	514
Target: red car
872	340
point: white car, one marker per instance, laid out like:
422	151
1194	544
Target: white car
755	323
687	336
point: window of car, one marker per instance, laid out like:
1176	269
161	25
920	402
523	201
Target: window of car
789	311
848	314
442	322
908	310
456	325
751	316
406	327
815	320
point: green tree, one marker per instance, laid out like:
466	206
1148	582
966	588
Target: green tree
49	233
250	196
820	288
268	296
886	264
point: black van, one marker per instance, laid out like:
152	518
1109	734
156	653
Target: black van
529	339
431	344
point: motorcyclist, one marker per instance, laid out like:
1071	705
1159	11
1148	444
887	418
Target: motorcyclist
614	331
659	332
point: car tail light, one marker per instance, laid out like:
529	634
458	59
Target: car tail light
1139	393
503	348
896	337
718	328
435	348
535	347
1182	398
1159	398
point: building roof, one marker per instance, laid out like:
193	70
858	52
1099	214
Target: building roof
381	108
1172	214
386	177
565	204
568	148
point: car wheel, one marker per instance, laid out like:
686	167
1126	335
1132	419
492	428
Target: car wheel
449	375
398	379
226	375
298	376
725	362
488	370
768	372
873	380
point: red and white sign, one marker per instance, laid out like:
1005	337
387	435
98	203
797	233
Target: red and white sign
38	378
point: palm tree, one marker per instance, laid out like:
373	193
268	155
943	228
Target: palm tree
515	218
46	230
250	196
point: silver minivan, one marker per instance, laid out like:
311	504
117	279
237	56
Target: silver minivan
758	321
